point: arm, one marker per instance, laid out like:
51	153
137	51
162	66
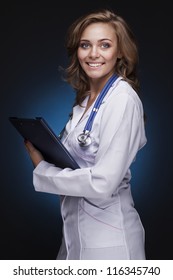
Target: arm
123	123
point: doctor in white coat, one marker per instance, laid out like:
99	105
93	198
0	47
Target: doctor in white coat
104	135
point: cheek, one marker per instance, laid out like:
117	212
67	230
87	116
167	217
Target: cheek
112	58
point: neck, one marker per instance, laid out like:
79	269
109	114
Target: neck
96	85
93	95
91	99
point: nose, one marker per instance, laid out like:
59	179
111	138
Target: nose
94	52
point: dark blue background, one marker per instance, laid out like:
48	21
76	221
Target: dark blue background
32	49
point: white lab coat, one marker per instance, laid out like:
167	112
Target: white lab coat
99	218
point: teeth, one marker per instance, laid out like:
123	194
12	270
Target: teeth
94	64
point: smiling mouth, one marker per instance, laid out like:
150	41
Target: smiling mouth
95	65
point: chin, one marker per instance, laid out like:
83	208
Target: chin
95	75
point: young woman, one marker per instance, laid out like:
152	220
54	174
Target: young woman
104	135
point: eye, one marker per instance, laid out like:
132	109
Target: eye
84	45
105	45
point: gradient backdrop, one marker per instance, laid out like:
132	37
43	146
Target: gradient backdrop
32	49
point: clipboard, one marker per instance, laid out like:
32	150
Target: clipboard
39	133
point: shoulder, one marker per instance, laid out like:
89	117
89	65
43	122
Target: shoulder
123	96
122	89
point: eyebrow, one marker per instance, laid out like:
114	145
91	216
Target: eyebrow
104	39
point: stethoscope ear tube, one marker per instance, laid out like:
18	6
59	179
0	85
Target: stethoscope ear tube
84	138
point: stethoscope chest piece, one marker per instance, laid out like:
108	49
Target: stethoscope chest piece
84	139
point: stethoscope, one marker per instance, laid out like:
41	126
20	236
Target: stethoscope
84	138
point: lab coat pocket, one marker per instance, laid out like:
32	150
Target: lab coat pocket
100	227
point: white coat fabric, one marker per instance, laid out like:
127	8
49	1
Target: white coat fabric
99	217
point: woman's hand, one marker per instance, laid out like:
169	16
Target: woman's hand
34	154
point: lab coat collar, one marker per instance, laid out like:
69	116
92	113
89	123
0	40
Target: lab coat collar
78	111
114	85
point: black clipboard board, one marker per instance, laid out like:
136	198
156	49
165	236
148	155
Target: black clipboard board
39	133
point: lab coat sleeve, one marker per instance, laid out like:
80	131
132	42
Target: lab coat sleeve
121	131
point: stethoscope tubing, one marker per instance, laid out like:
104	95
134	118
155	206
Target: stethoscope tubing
84	138
98	102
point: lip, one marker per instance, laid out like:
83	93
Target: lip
95	64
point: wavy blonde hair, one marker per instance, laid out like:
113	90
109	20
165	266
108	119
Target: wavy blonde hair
126	66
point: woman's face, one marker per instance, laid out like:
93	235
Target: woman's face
98	50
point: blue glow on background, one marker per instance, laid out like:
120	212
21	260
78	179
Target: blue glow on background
53	103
